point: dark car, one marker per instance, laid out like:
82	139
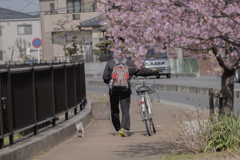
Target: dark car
30	61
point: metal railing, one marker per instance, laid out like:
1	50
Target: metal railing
188	65
92	57
37	93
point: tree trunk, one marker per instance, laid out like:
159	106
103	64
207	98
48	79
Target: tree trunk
227	89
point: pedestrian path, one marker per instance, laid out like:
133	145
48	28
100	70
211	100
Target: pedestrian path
100	144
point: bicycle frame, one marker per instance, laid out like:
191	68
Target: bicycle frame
146	105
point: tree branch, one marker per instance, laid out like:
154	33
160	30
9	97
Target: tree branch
219	58
230	40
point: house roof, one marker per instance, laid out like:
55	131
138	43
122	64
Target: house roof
92	22
10	14
37	16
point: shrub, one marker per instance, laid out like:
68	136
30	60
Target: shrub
198	132
225	132
190	130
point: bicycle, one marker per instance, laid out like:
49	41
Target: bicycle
145	104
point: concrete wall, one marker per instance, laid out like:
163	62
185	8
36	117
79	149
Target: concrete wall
10	34
95	67
174	65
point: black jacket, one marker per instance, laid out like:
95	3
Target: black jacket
133	70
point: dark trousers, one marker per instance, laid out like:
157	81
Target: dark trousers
125	105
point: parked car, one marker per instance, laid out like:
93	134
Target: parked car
158	61
30	61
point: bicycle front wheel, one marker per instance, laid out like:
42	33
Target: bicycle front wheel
153	126
147	123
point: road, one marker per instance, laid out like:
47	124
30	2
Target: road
209	82
176	97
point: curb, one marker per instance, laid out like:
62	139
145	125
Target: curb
46	139
169	88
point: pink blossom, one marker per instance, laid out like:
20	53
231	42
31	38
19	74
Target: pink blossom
196	25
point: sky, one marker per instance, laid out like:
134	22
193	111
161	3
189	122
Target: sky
26	6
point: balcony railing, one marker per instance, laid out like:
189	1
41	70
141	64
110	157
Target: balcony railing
88	7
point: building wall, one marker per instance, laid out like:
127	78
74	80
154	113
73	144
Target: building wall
96	35
47	23
10	34
50	19
46	36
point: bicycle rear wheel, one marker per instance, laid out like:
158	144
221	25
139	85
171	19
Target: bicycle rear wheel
147	123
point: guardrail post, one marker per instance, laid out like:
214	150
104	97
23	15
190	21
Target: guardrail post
9	104
65	75
215	99
221	96
75	92
237	94
53	99
1	116
1	143
211	105
34	102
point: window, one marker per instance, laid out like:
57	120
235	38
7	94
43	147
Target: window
76	16
1	55
0	31
52	8
73	6
24	29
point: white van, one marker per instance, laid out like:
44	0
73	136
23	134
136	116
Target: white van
158	61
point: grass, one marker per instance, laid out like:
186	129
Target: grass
229	154
100	98
15	137
92	119
187	156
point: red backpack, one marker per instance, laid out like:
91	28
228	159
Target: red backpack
120	76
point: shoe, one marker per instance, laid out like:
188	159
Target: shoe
123	132
117	133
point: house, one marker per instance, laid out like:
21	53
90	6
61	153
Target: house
97	30
16	26
59	21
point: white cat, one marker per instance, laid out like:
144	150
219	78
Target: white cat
79	128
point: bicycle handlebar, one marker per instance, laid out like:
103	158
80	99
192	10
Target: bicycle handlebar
143	80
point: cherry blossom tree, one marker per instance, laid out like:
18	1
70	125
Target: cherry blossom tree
197	26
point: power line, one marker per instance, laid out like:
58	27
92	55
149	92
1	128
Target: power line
59	9
32	3
26	5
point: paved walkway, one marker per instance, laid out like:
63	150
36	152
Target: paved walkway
100	144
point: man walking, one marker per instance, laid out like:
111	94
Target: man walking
122	95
